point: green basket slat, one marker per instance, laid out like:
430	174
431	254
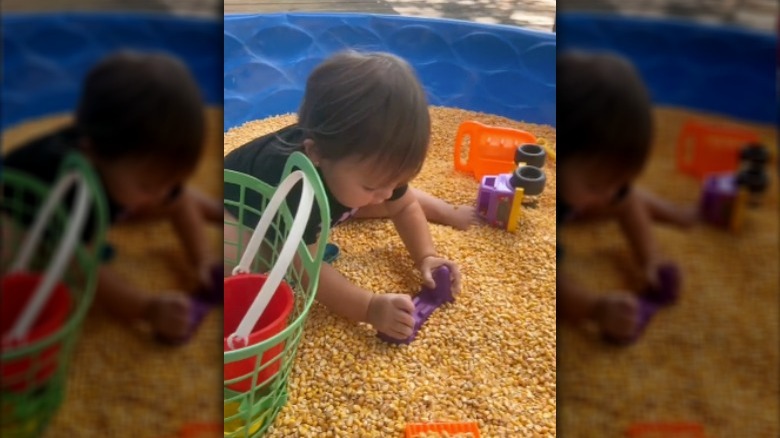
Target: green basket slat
27	412
266	399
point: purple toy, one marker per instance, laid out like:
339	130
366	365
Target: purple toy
202	302
721	203
653	300
495	199
426	302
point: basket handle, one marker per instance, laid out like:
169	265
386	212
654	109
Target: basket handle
62	255
239	338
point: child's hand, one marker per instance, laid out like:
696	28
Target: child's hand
391	314
430	263
652	269
617	314
205	276
169	315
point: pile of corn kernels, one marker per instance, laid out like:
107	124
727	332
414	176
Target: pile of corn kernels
710	359
489	357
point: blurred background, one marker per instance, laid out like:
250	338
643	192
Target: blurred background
701	362
121	382
211	8
754	14
531	14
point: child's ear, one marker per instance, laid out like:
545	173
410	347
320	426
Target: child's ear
312	151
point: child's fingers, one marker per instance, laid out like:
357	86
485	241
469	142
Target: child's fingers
404	319
404	302
428	278
455	277
396	334
402	331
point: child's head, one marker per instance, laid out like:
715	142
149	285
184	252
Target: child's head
366	124
604	126
141	121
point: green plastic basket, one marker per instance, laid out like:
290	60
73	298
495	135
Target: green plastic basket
34	372
249	413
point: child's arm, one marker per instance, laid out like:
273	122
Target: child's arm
190	226
412	226
636	224
168	313
388	313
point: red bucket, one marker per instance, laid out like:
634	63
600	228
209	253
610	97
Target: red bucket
17	289
240	292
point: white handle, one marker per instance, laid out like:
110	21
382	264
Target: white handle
285	256
61	257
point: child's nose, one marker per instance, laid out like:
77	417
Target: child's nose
383	195
594	200
153	199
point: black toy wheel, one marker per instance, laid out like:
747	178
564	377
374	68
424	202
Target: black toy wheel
530	178
530	154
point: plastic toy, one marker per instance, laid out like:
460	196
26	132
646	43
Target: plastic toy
426	302
414	430
726	195
666	430
331	253
491	149
258	305
753	175
703	149
47	285
654	299
261	337
500	196
37	305
231	410
723	201
201	304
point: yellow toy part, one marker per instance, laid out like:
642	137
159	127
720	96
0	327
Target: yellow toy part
233	426
738	210
514	211
547	148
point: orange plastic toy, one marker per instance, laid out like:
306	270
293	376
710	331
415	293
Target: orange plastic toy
491	150
414	430
666	430
705	148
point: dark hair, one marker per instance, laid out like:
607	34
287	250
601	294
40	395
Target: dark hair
604	111
368	105
143	105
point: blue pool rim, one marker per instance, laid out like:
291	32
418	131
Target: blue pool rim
269	56
718	69
46	56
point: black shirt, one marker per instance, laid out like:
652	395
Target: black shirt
42	158
264	158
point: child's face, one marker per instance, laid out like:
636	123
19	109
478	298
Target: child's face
355	183
586	184
139	184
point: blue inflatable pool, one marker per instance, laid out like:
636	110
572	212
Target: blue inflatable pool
725	70
45	57
501	70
